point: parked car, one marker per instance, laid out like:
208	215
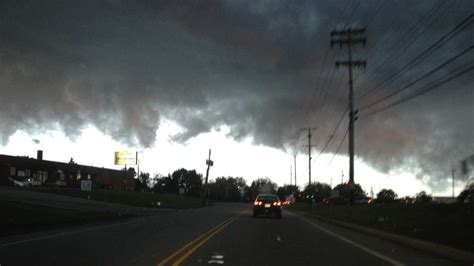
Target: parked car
363	200
335	201
25	182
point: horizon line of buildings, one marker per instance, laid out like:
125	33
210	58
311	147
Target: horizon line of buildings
37	171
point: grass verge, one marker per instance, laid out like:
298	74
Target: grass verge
448	224
131	198
18	217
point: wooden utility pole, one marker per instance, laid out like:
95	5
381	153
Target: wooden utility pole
209	163
294	157
309	151
349	37
291	174
452	173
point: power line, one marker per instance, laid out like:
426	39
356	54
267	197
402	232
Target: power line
452	59
430	87
337	124
333	132
435	46
339	147
377	11
352	14
412	30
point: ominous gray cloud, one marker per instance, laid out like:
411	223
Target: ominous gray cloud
254	66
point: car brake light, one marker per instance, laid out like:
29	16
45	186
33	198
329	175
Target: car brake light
258	203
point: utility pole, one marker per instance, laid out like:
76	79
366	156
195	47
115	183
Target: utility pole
452	173
291	174
309	151
294	158
342	177
209	163
349	37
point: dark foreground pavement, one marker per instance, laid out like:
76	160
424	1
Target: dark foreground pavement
223	234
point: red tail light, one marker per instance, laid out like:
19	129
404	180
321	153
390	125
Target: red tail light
257	203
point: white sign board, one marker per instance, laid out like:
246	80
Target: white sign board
125	158
86	185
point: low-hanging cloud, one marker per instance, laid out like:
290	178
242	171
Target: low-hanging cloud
122	66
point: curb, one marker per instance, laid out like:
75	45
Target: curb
438	249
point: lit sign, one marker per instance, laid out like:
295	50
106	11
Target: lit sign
125	158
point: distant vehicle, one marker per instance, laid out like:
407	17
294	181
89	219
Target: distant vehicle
335	201
363	200
267	204
26	182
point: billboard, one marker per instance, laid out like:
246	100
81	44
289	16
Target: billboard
126	158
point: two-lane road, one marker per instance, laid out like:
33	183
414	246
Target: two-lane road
224	234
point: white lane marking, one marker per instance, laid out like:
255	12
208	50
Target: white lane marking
278	238
364	248
215	261
216	258
65	234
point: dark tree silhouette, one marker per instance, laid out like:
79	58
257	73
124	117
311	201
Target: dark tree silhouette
344	191
262	185
317	191
287	190
467	195
227	189
423	197
386	195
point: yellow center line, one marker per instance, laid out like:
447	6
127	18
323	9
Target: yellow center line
202	242
163	262
211	231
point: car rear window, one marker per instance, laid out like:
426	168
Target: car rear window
267	198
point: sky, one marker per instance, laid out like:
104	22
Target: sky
172	79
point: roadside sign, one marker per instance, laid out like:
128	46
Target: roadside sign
86	185
126	158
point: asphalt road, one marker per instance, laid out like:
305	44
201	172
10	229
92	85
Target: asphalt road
224	234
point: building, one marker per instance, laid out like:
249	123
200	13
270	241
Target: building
42	172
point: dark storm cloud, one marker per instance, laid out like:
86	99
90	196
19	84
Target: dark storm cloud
122	66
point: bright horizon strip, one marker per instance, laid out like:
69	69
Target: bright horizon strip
231	158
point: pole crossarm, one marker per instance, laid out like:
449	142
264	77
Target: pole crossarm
353	63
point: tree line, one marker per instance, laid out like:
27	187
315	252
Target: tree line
190	183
